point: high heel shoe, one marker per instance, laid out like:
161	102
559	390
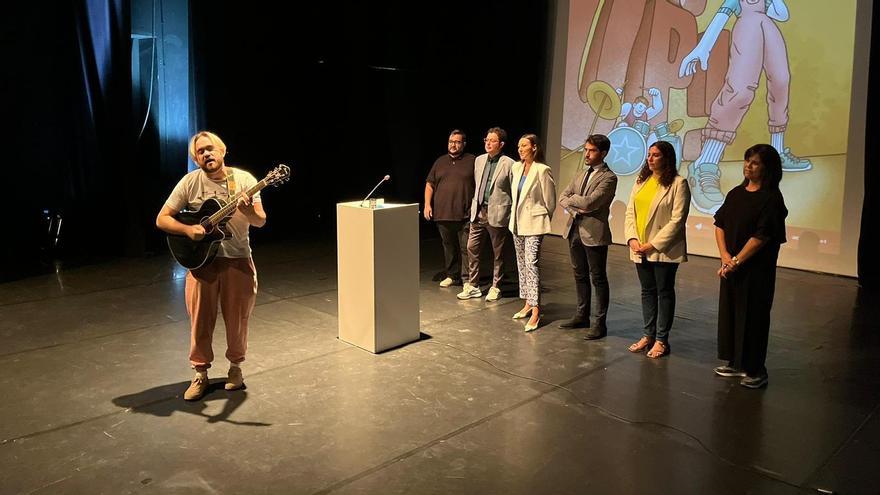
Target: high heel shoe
522	313
530	327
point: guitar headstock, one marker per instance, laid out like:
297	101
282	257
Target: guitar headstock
278	175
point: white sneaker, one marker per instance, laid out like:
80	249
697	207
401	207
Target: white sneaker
494	294
469	292
446	282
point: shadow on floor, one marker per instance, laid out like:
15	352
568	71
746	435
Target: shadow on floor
165	400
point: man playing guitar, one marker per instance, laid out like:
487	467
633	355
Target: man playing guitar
231	278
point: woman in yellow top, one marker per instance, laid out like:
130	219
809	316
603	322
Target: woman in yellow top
655	231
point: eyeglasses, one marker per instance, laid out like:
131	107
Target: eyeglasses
487	140
455	142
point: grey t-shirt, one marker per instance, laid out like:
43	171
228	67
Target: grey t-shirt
195	188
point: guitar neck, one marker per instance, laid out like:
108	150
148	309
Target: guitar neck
229	208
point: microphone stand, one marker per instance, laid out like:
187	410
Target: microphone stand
387	177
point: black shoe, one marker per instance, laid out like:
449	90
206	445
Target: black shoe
574	323
755	381
728	371
596	333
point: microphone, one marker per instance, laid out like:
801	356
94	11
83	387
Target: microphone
387	177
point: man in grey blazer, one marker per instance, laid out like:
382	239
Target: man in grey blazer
587	201
490	213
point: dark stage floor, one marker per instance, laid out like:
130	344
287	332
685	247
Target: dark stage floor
94	364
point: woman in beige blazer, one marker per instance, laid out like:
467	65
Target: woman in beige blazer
655	231
534	197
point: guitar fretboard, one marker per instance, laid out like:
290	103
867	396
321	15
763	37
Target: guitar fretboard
232	204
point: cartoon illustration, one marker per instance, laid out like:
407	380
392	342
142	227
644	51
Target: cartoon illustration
756	45
710	60
637	114
634	133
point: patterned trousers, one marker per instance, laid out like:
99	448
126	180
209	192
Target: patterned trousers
527	250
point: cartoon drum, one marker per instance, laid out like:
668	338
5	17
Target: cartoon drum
668	132
643	127
662	129
628	151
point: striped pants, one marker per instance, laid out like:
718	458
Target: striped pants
527	250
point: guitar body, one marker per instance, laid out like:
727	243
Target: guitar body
195	254
212	215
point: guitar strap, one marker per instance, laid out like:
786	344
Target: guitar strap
230	184
231	190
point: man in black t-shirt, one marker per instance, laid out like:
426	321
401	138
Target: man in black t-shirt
449	190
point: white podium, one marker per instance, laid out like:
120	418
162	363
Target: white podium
378	274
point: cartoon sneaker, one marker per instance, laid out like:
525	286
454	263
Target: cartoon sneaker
791	163
705	182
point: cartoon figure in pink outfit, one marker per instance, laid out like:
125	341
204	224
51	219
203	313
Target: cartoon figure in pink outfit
756	45
640	110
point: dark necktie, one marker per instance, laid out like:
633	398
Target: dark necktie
586	180
483	183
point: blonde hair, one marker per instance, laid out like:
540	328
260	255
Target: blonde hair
215	140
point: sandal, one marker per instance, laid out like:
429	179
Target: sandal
641	345
656	353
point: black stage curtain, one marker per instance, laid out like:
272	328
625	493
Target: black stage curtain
868	264
69	89
347	92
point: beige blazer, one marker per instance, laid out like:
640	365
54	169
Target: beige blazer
666	222
533	207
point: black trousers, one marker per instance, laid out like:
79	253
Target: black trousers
589	264
745	301
454	235
658	297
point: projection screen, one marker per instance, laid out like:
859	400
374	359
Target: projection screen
712	78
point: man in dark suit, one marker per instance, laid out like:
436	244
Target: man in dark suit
587	201
490	213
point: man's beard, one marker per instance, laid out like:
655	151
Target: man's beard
212	166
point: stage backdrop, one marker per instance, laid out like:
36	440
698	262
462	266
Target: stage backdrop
713	78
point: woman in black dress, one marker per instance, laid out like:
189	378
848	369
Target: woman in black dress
749	228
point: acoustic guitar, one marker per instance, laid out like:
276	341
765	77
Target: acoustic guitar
212	215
